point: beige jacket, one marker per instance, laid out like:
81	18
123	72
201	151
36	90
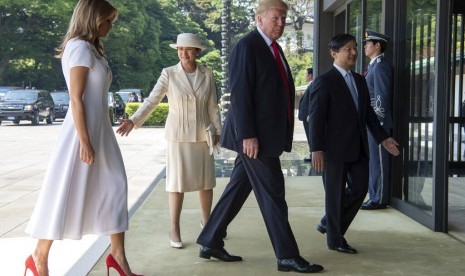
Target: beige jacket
191	110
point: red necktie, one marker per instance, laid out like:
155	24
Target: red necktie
287	88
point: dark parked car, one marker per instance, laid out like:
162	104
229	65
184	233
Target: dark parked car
124	93
61	100
116	107
32	105
5	89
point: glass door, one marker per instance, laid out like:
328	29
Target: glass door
363	15
418	185
355	28
415	108
456	153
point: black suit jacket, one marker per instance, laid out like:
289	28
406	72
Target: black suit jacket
303	105
336	127
259	102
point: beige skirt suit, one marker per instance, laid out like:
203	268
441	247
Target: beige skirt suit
193	106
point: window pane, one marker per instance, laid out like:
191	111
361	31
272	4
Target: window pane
373	14
420	43
355	28
457	98
373	21
457	130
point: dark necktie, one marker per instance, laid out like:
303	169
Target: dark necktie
368	69
369	66
287	88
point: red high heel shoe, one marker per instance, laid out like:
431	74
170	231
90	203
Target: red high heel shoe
31	266
111	262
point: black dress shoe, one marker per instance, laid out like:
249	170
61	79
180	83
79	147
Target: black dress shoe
220	254
321	228
344	248
298	264
372	206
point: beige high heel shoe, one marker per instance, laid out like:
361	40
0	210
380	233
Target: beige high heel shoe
175	244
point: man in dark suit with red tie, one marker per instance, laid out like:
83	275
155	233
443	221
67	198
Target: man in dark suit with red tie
259	127
340	112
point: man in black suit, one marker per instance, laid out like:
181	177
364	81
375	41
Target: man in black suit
340	113
303	107
259	127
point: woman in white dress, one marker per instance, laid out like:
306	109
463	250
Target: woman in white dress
193	108
85	186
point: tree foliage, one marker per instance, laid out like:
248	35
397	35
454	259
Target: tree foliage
299	64
133	46
300	12
29	32
137	48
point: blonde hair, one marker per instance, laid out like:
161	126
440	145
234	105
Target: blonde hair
88	15
265	5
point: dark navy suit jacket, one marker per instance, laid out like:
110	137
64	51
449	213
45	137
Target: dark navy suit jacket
259	103
336	127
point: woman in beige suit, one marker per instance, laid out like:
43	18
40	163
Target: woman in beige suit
193	108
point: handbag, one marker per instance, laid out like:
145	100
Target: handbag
211	133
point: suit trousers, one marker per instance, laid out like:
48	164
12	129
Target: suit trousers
264	176
346	185
378	187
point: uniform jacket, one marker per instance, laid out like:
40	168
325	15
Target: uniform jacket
191	110
259	102
336	127
379	81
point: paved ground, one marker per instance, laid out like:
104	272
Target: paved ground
25	151
389	242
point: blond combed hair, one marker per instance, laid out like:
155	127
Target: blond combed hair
264	5
88	15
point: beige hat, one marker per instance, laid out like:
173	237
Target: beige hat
188	40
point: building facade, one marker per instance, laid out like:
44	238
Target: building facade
427	50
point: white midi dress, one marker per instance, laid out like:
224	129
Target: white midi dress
77	198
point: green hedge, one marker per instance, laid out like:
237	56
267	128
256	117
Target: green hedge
158	116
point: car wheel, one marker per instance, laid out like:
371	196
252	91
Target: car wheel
36	120
50	118
16	121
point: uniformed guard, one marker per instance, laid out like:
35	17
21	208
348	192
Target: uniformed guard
379	79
